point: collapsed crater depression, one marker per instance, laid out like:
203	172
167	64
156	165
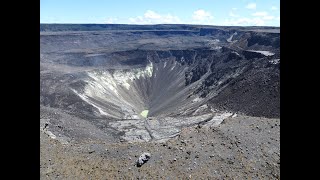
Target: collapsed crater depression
146	85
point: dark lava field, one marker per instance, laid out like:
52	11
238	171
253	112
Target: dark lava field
134	85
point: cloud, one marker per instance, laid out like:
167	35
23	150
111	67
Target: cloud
264	15
251	6
260	14
111	20
257	21
232	14
273	8
261	18
151	17
202	16
268	17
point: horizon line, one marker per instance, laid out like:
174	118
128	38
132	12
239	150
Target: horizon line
155	24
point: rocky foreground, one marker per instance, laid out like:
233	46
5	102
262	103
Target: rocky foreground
241	147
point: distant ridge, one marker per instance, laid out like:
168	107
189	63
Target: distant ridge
105	27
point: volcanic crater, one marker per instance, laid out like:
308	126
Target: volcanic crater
141	84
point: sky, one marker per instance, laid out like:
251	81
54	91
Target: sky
208	12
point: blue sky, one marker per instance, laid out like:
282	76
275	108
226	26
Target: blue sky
210	12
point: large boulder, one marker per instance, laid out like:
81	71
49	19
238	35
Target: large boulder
143	159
